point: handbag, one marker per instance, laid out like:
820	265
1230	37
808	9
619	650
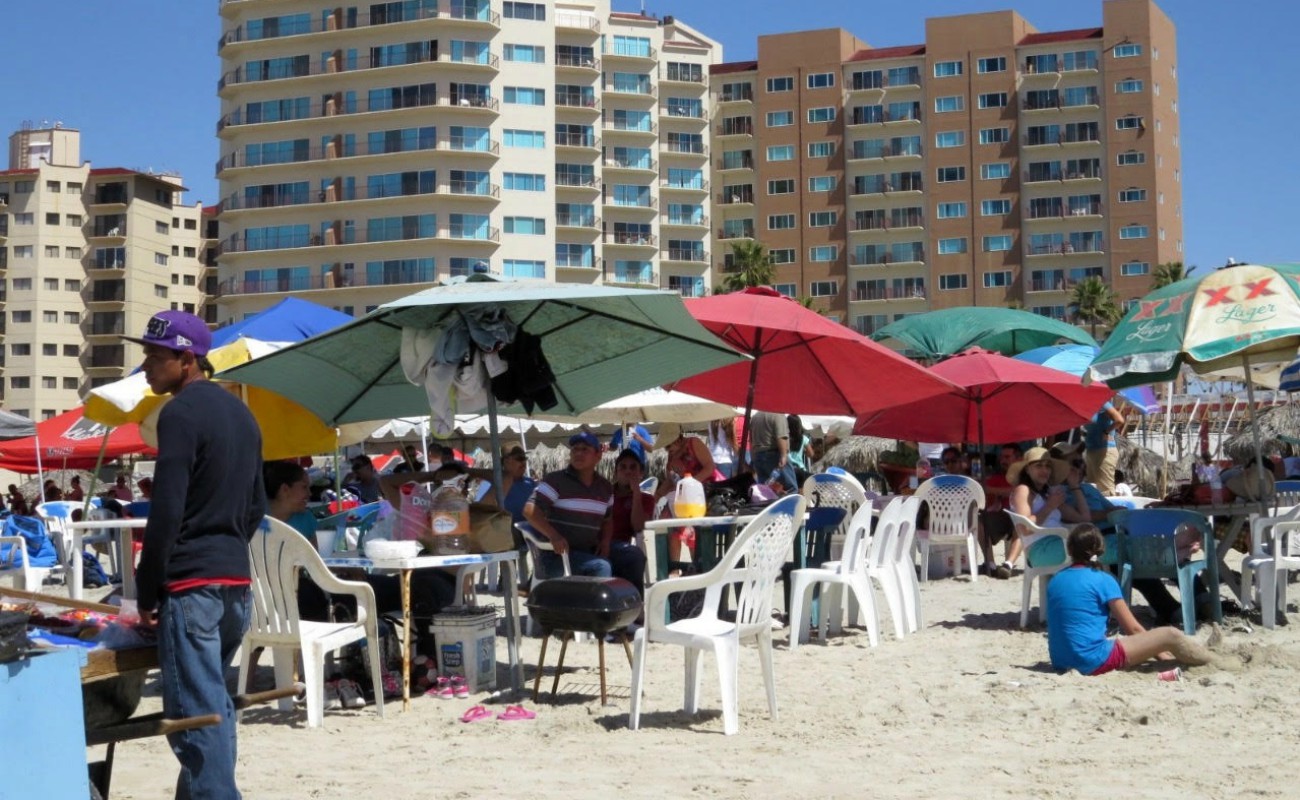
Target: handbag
491	530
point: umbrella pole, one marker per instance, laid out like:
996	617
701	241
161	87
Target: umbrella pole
94	476
1254	431
40	472
495	436
749	414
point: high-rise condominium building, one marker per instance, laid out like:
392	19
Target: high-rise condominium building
991	165
369	149
88	254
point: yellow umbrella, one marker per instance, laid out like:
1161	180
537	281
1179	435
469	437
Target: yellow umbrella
288	430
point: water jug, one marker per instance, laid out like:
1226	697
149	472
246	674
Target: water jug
449	519
413	517
688	502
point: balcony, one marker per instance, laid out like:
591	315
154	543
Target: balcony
630	239
629	277
338	106
684	113
735	198
106	325
745	95
684	74
338	278
1049	285
474	189
570	181
237	202
1070	137
684	221
724	164
584	141
631	53
644	203
576	61
108	230
579	101
337	65
110	357
1060	210
586	23
577	221
1065	248
113	292
631	164
685	255
476	101
326	24
1080	174
109	196
887	293
684	148
875	115
879	256
623	126
648	91
4	199
878	223
885	151
744	233
735	129
335	238
668	184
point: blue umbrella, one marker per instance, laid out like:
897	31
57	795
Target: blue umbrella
290	320
1075	358
1290	379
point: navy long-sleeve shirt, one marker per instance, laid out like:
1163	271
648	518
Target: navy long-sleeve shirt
208	497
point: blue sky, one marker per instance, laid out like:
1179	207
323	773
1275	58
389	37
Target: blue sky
138	78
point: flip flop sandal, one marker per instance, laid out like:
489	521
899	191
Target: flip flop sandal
513	713
441	689
459	687
475	714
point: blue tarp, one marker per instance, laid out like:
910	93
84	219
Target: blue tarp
290	320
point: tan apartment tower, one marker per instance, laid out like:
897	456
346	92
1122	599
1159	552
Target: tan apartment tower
991	165
369	150
87	253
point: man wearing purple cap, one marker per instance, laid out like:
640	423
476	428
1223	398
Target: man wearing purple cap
571	508
194	573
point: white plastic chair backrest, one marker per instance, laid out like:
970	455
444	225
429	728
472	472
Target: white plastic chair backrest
848	476
827	490
859	542
60	509
277	551
906	535
955	502
537	543
1292	544
884	540
764	545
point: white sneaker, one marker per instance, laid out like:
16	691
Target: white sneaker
350	695
332	700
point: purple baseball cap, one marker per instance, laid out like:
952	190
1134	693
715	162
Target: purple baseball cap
176	330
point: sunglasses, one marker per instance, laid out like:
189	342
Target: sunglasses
1077	463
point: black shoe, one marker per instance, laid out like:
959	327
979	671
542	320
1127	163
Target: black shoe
1002	573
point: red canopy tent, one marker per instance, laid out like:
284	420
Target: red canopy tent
70	441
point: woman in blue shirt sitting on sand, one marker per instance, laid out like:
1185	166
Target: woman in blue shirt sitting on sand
1080	600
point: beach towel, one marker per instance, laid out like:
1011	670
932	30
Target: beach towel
40	550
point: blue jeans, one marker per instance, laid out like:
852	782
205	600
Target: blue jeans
198	633
627	561
765	463
583	563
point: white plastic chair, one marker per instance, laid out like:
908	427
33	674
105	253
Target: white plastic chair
850	571
904	565
278	554
763	546
17	566
56	515
833	490
955	502
1030	535
846	475
537	544
1274	551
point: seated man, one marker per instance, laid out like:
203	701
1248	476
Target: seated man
365	481
571	508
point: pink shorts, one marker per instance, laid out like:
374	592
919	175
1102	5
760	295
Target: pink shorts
1114	661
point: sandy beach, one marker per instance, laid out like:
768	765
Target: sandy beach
968	707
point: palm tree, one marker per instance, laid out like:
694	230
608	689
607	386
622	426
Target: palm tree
751	265
1169	272
1095	303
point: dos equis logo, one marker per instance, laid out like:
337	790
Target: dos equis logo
84	429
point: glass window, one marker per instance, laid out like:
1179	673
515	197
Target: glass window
821	80
822	183
950	174
994	280
995	135
824	288
1132	195
780	152
782	255
820	149
778	119
1127	50
995	171
954	280
997	244
525	96
951	210
1133	268
1131	158
823	253
524	53
995	208
1134	232
952	246
516	10
780	222
524	182
783	186
822	219
822	114
954	102
1130	86
517	138
950	139
992	64
993	100
947	69
785	84
1128	123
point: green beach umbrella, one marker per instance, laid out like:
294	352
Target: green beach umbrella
1009	331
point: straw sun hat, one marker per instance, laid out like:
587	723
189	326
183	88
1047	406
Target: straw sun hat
1059	468
669	432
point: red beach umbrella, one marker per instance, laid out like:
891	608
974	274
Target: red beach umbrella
995	399
803	363
70	441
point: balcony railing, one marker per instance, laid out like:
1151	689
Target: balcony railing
334	107
741	163
693	221
682	112
577	220
334	65
110	230
630	52
576	100
326	24
677	185
474	188
743	233
1049	285
742	96
108	292
238	202
615	162
875	223
579	181
1065	248
626	127
576	60
645	202
686	254
1034	140
684	75
873	258
691	148
111	327
888	293
1041	176
733	198
336	279
635	278
334	237
744	129
629	238
577	22
1060	210
647	90
114	357
586	140
885	151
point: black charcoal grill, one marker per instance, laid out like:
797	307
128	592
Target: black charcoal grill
582	604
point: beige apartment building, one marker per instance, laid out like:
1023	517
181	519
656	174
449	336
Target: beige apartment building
87	253
991	165
369	150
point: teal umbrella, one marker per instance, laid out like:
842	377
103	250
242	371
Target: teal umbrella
1009	331
601	343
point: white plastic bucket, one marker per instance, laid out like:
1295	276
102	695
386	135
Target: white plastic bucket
467	647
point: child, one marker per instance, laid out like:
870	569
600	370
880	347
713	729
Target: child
1079	601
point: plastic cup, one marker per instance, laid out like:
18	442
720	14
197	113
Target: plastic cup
325	542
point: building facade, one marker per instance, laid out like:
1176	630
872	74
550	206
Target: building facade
87	254
369	150
991	165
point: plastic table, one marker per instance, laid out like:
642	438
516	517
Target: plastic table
404	567
123	527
